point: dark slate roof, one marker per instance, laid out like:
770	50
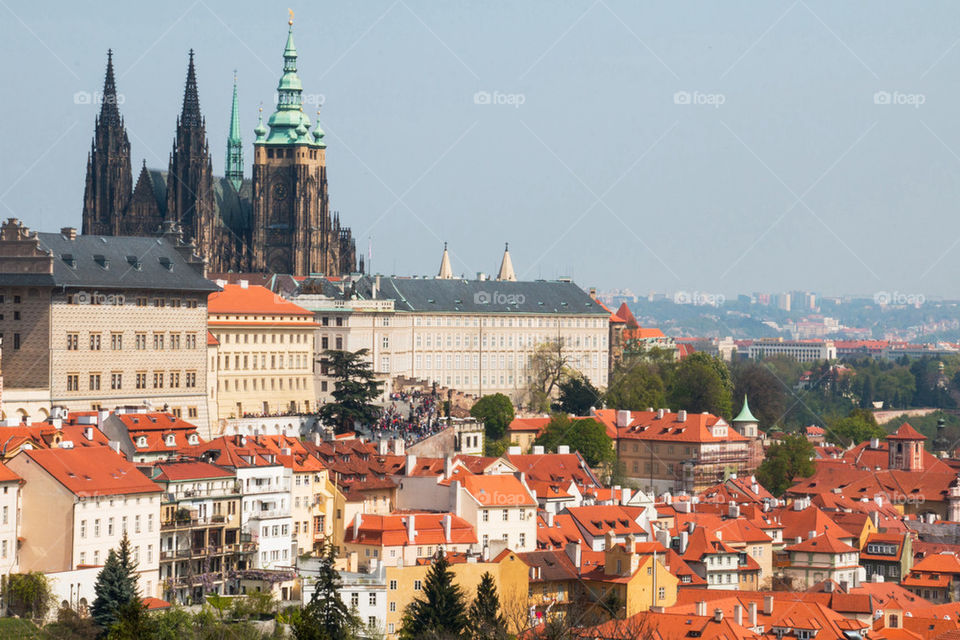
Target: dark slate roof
482	296
105	262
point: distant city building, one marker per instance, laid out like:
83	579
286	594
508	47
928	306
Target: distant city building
800	350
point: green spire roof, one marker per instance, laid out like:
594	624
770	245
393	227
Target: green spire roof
289	124
745	415
234	169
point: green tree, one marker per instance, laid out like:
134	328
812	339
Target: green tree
71	625
765	392
577	396
701	382
484	620
792	458
548	367
495	412
115	587
587	436
326	616
441	608
636	387
28	595
857	427
354	388
132	622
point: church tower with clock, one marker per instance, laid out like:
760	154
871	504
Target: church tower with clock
292	228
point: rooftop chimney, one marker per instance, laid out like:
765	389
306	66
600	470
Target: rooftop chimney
411	464
563	448
513	450
752	608
701	607
623	418
718	614
738	614
682	415
768	605
70	233
411	528
356	525
447	524
573	552
538	450
660	413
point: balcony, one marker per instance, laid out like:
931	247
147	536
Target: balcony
266	514
193	523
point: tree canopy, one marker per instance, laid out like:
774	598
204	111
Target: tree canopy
792	458
577	396
326	616
701	382
115	587
636	387
354	388
587	436
484	619
495	412
441	609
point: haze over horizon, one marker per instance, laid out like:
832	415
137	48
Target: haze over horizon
733	148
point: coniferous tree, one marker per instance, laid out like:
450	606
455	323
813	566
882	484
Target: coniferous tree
484	619
116	585
354	388
440	611
326	617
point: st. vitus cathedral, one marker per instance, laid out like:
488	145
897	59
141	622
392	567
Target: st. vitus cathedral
278	222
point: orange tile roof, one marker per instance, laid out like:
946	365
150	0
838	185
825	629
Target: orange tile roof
8	476
97	471
906	432
177	470
211	340
825	543
647	425
563	532
498	491
252	300
597	520
391	530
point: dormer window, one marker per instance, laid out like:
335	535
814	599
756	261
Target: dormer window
193	438
165	263
171	440
142	441
134	262
102	261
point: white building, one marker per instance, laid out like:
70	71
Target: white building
9	520
799	350
476	336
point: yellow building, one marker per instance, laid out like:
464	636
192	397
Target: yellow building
634	577
510	574
265	352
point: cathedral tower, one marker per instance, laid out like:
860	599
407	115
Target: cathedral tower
234	168
292	228
109	178
190	198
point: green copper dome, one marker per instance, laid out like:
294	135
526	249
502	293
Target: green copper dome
260	130
289	124
745	415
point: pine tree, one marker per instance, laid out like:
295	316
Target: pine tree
440	612
484	619
116	586
355	387
326	617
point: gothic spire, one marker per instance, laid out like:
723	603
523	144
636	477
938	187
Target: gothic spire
109	113
234	169
190	115
506	267
446	273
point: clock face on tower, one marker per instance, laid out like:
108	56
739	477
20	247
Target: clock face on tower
279	191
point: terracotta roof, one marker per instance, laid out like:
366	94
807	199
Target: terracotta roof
648	425
173	471
554	565
252	300
563	532
8	476
825	543
97	471
598	520
211	339
906	432
391	530
498	491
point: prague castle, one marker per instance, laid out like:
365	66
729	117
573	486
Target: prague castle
278	222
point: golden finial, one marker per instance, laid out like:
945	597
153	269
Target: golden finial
290	22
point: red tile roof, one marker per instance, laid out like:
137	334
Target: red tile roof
825	543
252	300
173	471
97	471
906	432
498	491
648	425
8	476
391	530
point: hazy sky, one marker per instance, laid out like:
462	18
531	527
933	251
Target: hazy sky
701	146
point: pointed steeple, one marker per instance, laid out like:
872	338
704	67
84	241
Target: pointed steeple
745	414
190	114
506	266
289	124
446	272
109	112
234	168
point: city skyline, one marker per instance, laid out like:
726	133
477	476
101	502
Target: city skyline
806	139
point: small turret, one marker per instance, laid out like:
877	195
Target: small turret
506	266
446	272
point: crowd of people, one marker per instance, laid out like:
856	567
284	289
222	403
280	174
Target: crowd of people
417	417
